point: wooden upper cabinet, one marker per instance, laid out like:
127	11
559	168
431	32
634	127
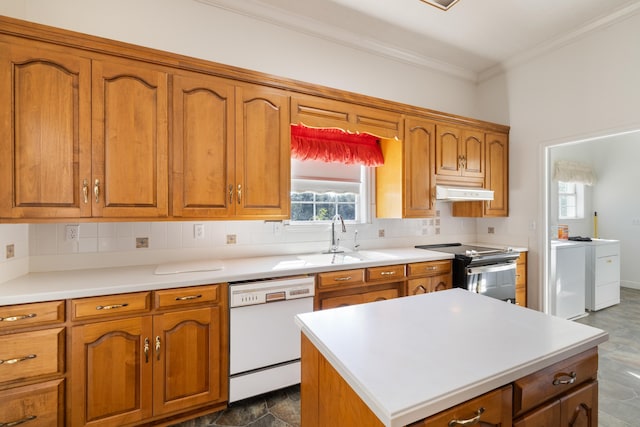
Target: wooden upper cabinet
497	174
263	153
130	140
44	131
459	152
323	112
203	146
404	183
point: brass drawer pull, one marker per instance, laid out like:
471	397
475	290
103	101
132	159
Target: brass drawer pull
15	319
188	297
342	279
387	273
470	421
18	422
111	307
572	378
17	359
432	268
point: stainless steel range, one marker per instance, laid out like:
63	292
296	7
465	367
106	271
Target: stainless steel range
487	271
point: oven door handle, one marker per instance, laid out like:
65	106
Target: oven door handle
493	268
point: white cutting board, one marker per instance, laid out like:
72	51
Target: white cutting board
189	266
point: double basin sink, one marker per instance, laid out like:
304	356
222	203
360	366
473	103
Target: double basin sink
340	258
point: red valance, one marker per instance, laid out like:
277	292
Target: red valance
335	145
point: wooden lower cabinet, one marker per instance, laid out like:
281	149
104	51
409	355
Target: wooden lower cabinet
35	405
139	369
521	279
578	408
428	276
359	286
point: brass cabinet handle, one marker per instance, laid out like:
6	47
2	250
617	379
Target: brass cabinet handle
96	190
468	422
16	318
239	193
342	279
387	273
18	422
432	268
111	307
230	193
85	191
17	359
572	378
188	297
158	347
146	350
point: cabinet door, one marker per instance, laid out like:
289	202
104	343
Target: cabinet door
187	358
545	416
130	134
45	133
419	175
472	153
263	153
202	147
111	372
580	407
497	175
448	155
424	285
341	301
381	295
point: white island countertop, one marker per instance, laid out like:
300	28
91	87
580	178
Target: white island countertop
409	358
53	285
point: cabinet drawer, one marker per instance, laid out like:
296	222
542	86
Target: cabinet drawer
111	305
37	405
337	278
430	268
385	273
540	386
41	313
496	410
186	296
31	354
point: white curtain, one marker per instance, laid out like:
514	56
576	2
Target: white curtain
573	172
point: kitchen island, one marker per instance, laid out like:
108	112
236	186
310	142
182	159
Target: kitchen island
397	362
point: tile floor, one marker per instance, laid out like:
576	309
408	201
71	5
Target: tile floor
619	361
619	376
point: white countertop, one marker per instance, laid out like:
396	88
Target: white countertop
409	358
47	286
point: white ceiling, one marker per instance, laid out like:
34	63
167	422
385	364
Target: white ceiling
471	40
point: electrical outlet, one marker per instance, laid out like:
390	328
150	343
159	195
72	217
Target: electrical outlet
491	230
231	239
72	232
381	232
198	231
142	242
11	250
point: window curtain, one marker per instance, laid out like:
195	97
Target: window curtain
573	172
333	145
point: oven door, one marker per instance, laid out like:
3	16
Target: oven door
494	280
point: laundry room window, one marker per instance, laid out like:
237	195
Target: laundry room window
570	200
320	190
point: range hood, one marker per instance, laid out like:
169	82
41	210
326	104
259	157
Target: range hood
458	194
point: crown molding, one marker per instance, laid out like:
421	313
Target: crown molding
281	18
558	42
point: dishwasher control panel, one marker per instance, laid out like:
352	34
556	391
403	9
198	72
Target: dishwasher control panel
266	291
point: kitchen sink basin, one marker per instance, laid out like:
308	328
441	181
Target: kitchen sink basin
343	257
329	259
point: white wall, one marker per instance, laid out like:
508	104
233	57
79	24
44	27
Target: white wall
590	87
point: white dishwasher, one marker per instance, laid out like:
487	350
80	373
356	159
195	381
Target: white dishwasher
264	340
